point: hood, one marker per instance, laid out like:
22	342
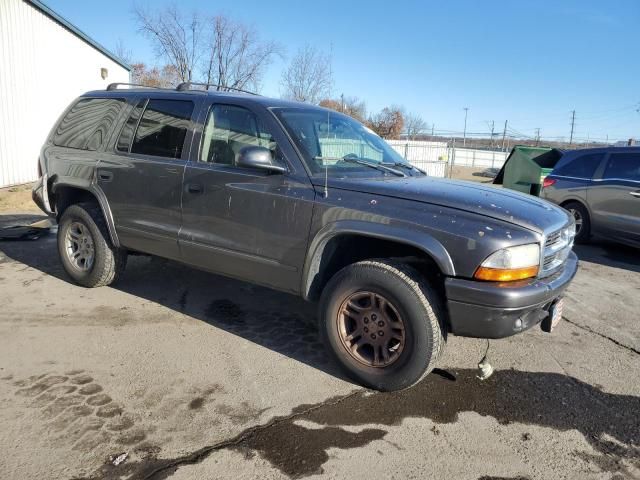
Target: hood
498	203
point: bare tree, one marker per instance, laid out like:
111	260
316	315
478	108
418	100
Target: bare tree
308	76
122	52
236	57
389	123
414	125
176	38
165	77
352	106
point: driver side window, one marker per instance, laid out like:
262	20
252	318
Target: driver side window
227	130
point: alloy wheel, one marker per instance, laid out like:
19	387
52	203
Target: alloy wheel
371	329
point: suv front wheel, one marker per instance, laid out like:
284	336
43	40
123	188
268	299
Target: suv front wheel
383	323
85	249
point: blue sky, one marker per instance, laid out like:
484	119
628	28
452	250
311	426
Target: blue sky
531	62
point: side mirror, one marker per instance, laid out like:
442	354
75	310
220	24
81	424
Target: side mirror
257	157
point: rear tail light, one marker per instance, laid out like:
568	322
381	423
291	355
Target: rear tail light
547	182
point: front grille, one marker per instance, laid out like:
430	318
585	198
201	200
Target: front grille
553	238
557	247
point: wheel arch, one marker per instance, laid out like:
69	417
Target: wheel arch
66	193
578	200
333	248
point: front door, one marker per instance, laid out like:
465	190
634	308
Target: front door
241	222
142	179
615	197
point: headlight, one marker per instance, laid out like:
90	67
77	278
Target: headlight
512	263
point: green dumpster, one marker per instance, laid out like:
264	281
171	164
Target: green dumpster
526	168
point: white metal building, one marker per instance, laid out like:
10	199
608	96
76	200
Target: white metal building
45	62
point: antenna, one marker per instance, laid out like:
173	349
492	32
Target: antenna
326	181
326	167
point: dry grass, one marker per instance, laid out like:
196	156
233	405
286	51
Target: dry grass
17	199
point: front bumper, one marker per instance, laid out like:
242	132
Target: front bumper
497	310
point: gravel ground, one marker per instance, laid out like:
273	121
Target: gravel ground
197	376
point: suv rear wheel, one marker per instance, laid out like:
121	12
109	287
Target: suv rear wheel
383	323
582	219
85	249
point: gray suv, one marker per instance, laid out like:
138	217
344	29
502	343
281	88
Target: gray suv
601	189
308	201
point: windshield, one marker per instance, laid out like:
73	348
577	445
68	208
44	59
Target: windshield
339	143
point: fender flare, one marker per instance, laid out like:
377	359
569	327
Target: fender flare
421	240
97	192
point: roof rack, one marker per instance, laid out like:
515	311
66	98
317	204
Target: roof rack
184	86
114	86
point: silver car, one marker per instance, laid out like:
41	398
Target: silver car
601	188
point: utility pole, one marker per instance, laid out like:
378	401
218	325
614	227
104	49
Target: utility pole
492	127
537	136
573	122
504	133
342	102
464	135
433	126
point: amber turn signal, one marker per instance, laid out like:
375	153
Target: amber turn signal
505	275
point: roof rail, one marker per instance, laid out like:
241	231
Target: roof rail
184	86
114	86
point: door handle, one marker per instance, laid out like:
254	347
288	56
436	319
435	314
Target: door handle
105	176
635	194
194	188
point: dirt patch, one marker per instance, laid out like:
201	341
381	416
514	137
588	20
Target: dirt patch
472	174
17	199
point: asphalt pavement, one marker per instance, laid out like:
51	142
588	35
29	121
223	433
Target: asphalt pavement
181	374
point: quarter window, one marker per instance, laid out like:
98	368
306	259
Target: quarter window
583	166
162	129
230	128
625	166
87	124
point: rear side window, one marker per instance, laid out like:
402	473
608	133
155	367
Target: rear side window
87	124
129	128
625	166
163	128
583	166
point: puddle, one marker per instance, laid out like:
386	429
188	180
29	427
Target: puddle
543	399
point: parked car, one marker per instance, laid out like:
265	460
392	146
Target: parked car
308	201
601	189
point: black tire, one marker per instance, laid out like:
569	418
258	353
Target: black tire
583	221
414	301
108	261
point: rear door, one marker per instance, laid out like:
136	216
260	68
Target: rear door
142	179
572	177
614	197
241	222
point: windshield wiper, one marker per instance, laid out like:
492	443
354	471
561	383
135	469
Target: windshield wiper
406	165
360	161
